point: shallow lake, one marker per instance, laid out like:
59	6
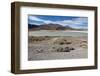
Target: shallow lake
57	33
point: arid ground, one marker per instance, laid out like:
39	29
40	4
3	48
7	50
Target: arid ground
57	47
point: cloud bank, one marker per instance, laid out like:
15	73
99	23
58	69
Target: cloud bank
79	22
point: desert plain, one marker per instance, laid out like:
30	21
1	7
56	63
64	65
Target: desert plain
52	45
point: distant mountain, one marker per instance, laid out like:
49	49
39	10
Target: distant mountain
50	27
31	26
69	28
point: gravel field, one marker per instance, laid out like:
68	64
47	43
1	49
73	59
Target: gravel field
57	47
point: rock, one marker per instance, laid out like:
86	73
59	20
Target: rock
39	51
61	43
72	48
67	49
53	47
61	49
68	42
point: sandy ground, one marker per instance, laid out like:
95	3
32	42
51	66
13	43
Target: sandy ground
51	48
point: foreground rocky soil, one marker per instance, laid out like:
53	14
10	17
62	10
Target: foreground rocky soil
57	47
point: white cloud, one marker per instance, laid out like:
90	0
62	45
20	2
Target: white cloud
48	21
35	18
80	20
38	19
76	23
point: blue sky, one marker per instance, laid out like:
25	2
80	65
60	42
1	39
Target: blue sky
72	21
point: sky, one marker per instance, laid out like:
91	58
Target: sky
72	21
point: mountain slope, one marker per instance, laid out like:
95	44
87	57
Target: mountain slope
49	27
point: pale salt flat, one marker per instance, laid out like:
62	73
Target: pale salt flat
57	33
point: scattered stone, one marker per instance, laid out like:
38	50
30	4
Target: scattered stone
72	48
60	49
68	42
61	43
53	47
67	49
39	51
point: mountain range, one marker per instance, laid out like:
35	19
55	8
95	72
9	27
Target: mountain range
50	27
